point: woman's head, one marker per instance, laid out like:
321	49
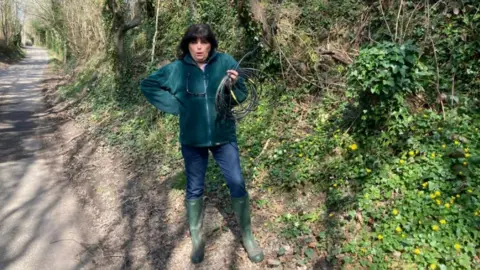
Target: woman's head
198	41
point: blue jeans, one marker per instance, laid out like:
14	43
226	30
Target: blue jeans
227	158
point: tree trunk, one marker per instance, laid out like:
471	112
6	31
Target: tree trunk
120	27
259	15
119	41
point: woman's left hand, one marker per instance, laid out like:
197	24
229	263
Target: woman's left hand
233	75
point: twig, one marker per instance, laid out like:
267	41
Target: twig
130	199
365	21
439	2
438	77
114	256
453	87
436	59
418	6
263	150
385	19
81	244
75	137
351	125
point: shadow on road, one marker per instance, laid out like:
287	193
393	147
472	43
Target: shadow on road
32	191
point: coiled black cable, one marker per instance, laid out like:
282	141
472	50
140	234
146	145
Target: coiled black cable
226	103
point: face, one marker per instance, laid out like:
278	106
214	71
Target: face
199	50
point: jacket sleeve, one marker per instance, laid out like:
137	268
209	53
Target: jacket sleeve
160	88
239	89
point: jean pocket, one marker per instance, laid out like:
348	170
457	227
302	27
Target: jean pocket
235	145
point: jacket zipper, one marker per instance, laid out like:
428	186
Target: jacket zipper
206	105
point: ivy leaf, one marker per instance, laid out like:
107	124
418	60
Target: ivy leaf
309	253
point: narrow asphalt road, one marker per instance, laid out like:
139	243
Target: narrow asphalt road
41	222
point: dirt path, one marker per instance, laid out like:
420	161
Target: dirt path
41	222
139	214
137	205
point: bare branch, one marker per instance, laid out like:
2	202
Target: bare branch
398	18
154	42
385	19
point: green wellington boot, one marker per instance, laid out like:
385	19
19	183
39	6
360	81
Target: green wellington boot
241	207
195	222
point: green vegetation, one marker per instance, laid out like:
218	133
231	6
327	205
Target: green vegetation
374	107
10	54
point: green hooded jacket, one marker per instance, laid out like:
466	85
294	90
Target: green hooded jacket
182	88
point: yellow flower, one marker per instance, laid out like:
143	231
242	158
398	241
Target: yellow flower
395	212
438	202
354	147
411	153
419	222
398	229
435	227
300	155
432	196
466	150
403	235
425	184
456	143
432	266
447	205
364	250
330	215
443	221
444	146
368	170
417	251
439	129
467	155
457	246
458	195
465	163
460	173
380	237
469	191
335	185
438	193
401	161
432	155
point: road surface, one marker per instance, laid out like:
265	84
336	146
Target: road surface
41	222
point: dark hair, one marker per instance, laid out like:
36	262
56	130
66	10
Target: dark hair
194	32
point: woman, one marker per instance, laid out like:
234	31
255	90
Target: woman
187	87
